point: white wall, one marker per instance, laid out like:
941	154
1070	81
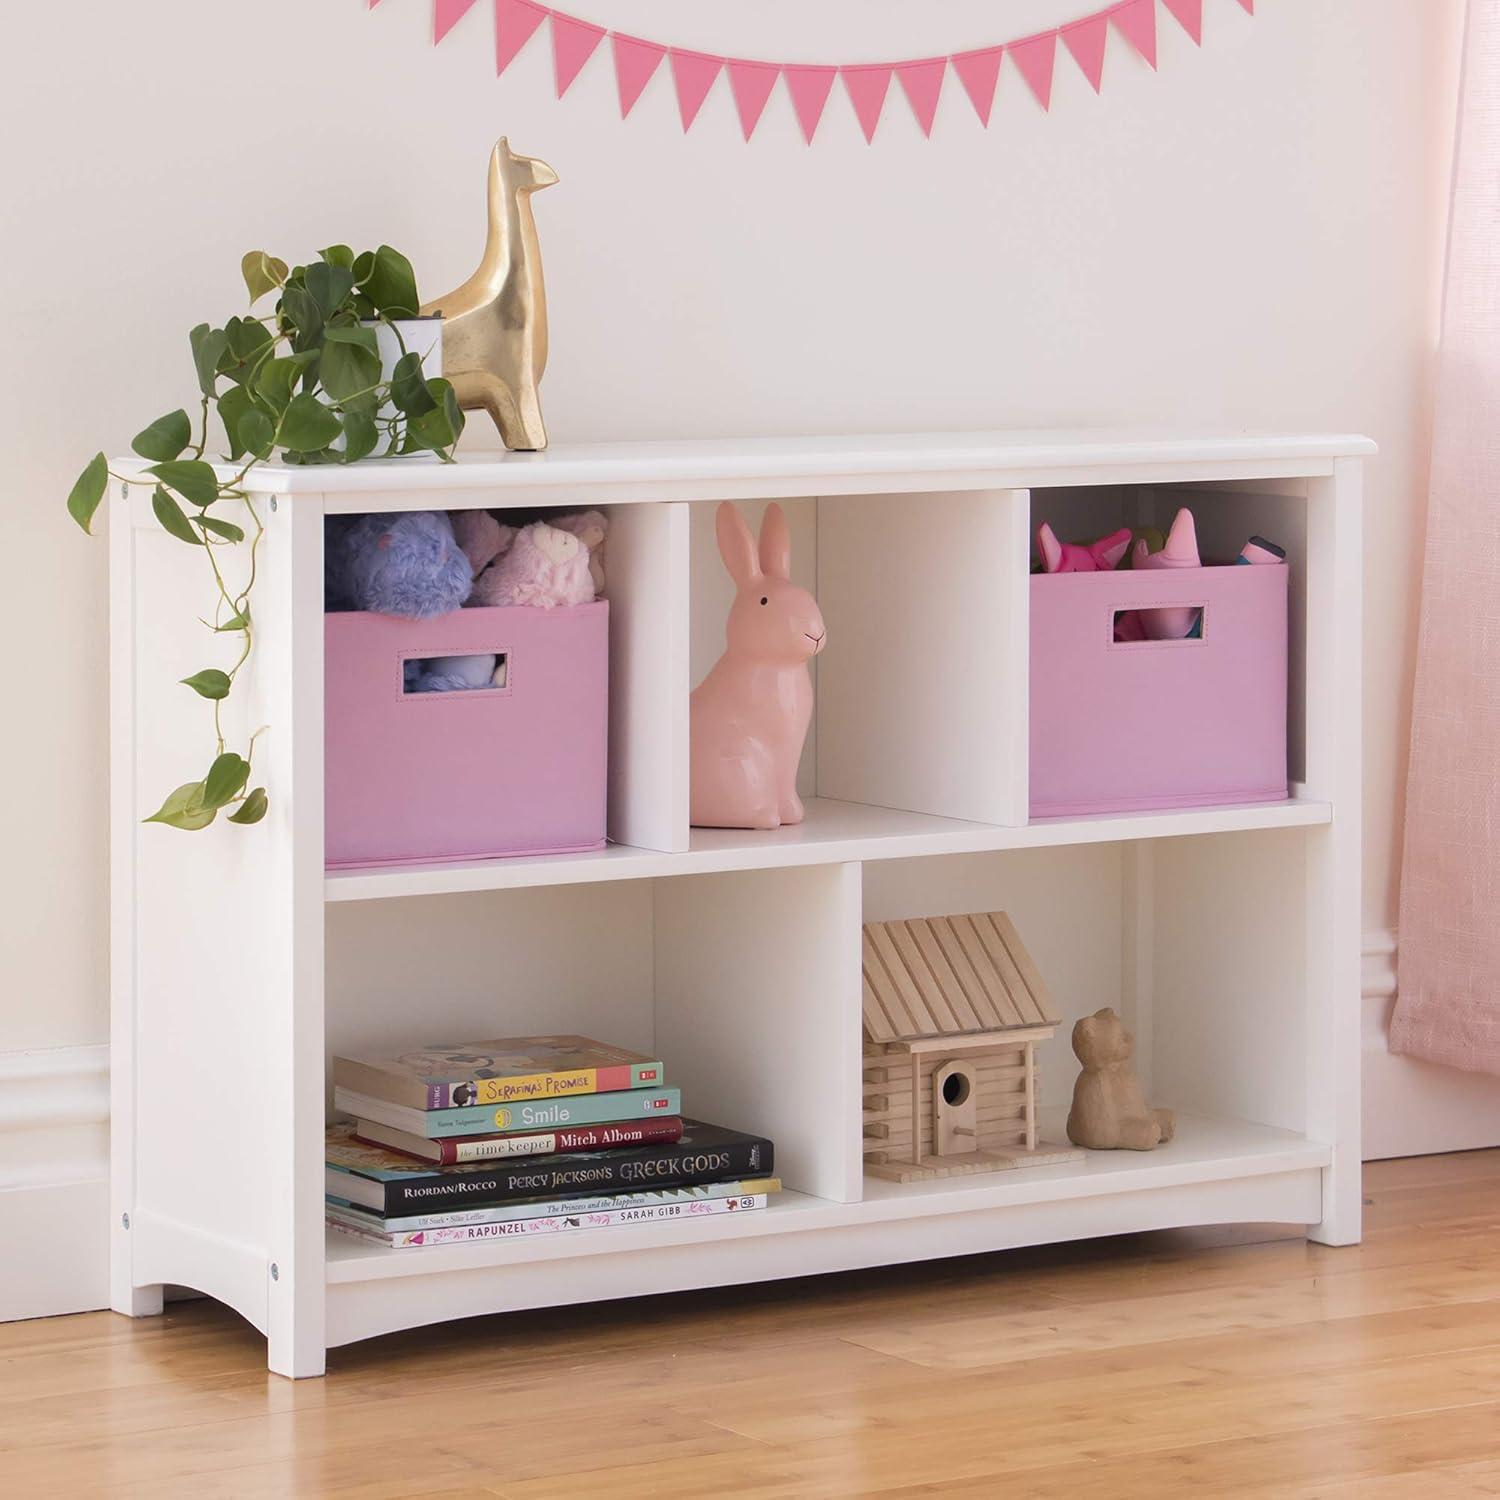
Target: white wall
1247	238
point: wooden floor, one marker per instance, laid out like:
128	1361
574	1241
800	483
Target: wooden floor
1207	1365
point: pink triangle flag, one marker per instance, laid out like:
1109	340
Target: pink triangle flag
573	43
922	82
1137	22
1085	40
515	23
751	84
978	71
1249	5
1035	57
867	89
635	62
446	14
693	73
1189	15
809	88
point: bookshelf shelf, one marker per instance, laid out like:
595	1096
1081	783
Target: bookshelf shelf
1222	1169
736	956
832	832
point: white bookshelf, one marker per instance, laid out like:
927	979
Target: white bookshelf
1227	936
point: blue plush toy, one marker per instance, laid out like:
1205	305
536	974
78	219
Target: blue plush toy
408	563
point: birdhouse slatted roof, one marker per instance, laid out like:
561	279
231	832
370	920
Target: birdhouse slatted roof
950	976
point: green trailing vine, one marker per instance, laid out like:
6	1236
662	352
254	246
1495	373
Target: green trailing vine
304	383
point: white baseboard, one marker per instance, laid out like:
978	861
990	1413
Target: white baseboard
1414	1108
54	1181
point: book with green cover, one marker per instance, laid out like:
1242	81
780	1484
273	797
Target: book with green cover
523	1116
504	1071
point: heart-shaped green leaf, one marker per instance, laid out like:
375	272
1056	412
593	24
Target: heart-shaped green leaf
189	477
409	388
338	255
226	529
234	622
360	435
278	377
391	284
173	522
165	438
184	809
209	683
329	285
225	780
252	809
302	311
307	425
88	490
349	364
208	345
439	428
263	273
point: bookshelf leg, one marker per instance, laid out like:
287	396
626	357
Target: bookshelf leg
140	1301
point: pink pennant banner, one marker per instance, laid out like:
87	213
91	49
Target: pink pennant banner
1035	58
1189	15
809	88
979	72
751	84
1085	42
573	43
635	62
810	85
1137	22
867	87
693	75
922	83
516	22
446	14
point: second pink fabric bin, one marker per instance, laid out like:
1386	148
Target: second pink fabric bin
1121	727
415	777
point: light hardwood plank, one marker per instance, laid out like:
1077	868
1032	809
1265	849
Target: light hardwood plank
1235	1362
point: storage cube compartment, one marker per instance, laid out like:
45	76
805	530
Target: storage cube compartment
1124	724
517	768
1199	945
742	983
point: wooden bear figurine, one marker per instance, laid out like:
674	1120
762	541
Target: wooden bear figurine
495	324
1109	1110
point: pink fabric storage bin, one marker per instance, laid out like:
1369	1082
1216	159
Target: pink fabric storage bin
1121	727
414	777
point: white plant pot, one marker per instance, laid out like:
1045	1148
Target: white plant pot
421	336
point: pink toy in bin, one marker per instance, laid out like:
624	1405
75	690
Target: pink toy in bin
514	769
1122	726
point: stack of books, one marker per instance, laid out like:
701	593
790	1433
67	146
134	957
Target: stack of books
525	1135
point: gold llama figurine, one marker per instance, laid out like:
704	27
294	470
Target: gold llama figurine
495	324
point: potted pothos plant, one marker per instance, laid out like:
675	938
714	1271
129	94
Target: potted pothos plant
304	383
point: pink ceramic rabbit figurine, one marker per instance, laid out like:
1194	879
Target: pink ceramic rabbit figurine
1067	557
750	714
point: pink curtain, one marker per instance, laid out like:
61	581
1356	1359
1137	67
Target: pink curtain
1448	997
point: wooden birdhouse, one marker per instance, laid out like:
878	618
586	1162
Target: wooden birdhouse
953	1011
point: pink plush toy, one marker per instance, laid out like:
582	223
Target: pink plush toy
749	716
1067	557
481	536
1181	551
590	527
543	567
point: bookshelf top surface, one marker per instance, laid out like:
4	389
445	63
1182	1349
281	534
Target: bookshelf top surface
735	467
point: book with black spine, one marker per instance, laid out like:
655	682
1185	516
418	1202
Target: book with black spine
393	1184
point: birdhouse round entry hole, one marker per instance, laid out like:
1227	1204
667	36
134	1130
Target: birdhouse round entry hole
955	1089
